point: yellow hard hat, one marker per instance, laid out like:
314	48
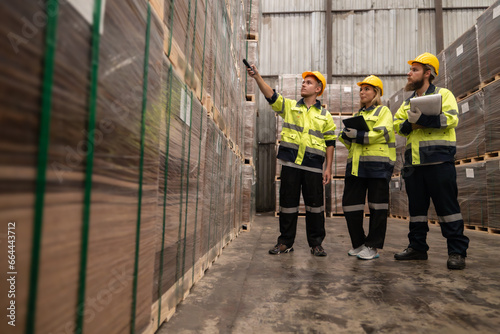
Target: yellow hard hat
373	81
427	59
319	76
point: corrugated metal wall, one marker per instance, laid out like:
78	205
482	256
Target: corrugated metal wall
368	38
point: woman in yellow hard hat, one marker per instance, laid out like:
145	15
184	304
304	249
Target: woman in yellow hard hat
372	155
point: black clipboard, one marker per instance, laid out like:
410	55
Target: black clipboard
356	122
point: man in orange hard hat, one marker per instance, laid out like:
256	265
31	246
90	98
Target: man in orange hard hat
429	166
307	142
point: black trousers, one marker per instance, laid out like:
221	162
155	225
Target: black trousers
438	182
353	203
292	180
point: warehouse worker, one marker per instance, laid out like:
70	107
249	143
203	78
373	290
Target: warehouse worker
429	168
372	155
307	138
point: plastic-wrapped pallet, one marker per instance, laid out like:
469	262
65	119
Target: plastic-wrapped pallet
488	34
462	64
398	199
290	86
441	79
253	16
470	129
472	197
248	194
400	153
249	131
343	99
492	116
493	192
252	56
334	193
341	152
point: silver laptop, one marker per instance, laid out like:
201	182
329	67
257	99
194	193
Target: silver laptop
428	104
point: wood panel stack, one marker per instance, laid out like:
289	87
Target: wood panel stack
493	192
132	223
398	201
462	64
471	125
249	47
472	197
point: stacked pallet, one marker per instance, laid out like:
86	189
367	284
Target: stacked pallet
125	172
471	68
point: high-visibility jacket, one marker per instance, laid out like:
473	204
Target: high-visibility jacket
372	154
436	142
306	133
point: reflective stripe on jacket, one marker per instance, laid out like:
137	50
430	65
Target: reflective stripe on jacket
306	132
436	142
372	153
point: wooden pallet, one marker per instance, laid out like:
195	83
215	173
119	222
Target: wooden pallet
250	98
476	228
489	81
487	156
467	94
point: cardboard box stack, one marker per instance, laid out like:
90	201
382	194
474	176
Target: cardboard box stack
122	159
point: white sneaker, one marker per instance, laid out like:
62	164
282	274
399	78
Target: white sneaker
368	253
356	251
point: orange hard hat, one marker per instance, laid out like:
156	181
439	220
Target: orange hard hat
318	76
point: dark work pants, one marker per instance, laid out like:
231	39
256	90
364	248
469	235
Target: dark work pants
438	182
353	203
292	180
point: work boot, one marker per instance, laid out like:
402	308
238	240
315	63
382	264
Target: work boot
411	254
280	248
318	251
456	261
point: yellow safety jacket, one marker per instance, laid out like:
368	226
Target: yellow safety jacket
306	133
436	142
372	154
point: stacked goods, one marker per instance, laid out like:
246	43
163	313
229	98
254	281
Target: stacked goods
488	40
470	129
398	200
249	130
472	197
341	99
133	186
400	153
248	189
252	56
493	192
441	79
341	152
462	64
333	197
492	116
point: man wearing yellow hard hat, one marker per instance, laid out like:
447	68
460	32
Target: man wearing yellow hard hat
372	155
306	154
429	166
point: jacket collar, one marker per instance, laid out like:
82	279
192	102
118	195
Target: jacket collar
368	109
429	91
317	104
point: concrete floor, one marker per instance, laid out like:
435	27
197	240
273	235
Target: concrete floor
249	291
